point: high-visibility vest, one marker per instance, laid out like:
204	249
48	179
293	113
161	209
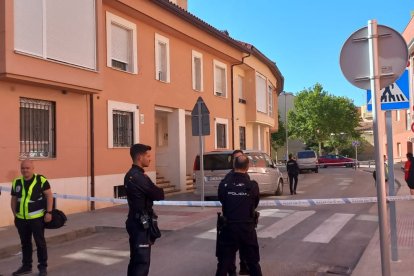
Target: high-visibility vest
31	203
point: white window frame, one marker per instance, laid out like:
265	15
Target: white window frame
123	23
128	107
223	122
198	55
159	38
398	115
270	107
407	119
222	65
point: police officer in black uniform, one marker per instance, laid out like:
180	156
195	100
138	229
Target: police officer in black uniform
141	192
293	172
239	197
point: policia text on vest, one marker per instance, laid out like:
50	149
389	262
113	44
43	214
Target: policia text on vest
31	203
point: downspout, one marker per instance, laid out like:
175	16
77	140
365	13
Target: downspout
92	150
232	96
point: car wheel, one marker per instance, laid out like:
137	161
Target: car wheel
279	189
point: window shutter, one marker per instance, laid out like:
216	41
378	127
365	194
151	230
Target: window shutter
162	61
197	73
28	26
223	81
71	31
260	94
120	44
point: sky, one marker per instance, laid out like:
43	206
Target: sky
303	37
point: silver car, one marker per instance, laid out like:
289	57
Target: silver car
218	163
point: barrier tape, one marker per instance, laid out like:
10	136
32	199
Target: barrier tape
267	203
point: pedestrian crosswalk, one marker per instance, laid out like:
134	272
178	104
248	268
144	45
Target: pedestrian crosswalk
276	222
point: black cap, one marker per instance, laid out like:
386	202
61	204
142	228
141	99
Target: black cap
137	149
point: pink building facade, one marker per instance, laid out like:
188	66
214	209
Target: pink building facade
80	81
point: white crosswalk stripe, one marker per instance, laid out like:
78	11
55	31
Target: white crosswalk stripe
286	219
283	225
329	228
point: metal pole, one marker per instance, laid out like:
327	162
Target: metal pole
286	122
391	191
201	143
378	142
356	156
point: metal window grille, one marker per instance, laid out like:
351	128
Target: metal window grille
37	129
119	65
242	132
122	128
221	136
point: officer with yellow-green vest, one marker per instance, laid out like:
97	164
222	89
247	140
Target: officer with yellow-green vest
31	204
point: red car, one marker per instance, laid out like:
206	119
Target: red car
335	160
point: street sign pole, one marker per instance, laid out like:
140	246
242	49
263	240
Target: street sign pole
201	143
378	141
391	186
356	156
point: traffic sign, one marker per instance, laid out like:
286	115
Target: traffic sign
395	96
200	119
355	57
355	143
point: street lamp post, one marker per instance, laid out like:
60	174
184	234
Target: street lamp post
286	127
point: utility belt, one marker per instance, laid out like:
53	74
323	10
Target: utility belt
222	221
145	217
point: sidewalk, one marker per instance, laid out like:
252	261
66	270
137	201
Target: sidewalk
370	262
88	223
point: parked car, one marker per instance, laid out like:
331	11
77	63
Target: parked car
307	160
218	163
335	160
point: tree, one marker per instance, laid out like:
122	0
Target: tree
319	118
279	137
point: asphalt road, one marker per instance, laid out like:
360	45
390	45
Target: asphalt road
316	240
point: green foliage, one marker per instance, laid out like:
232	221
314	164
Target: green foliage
321	117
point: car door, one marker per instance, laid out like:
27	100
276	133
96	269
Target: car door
258	171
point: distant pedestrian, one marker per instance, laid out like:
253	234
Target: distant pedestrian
31	204
293	172
141	193
409	172
239	197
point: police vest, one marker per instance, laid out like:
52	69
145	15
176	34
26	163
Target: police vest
31	203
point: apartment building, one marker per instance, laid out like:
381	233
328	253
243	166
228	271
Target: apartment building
82	80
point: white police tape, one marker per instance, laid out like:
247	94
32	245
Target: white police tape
267	203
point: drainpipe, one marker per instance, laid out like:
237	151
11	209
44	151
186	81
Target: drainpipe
232	96
92	150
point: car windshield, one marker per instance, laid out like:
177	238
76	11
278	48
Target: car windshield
306	154
218	162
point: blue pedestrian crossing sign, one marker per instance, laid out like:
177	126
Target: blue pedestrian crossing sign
395	96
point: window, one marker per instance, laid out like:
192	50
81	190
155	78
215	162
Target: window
122	124
240	88
261	93
37	129
220	79
122	128
242	137
197	64
407	120
121	40
57	30
162	58
270	90
397	115
399	150
221	133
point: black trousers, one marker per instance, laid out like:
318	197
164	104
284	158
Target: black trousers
233	237
139	247
28	228
293	182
